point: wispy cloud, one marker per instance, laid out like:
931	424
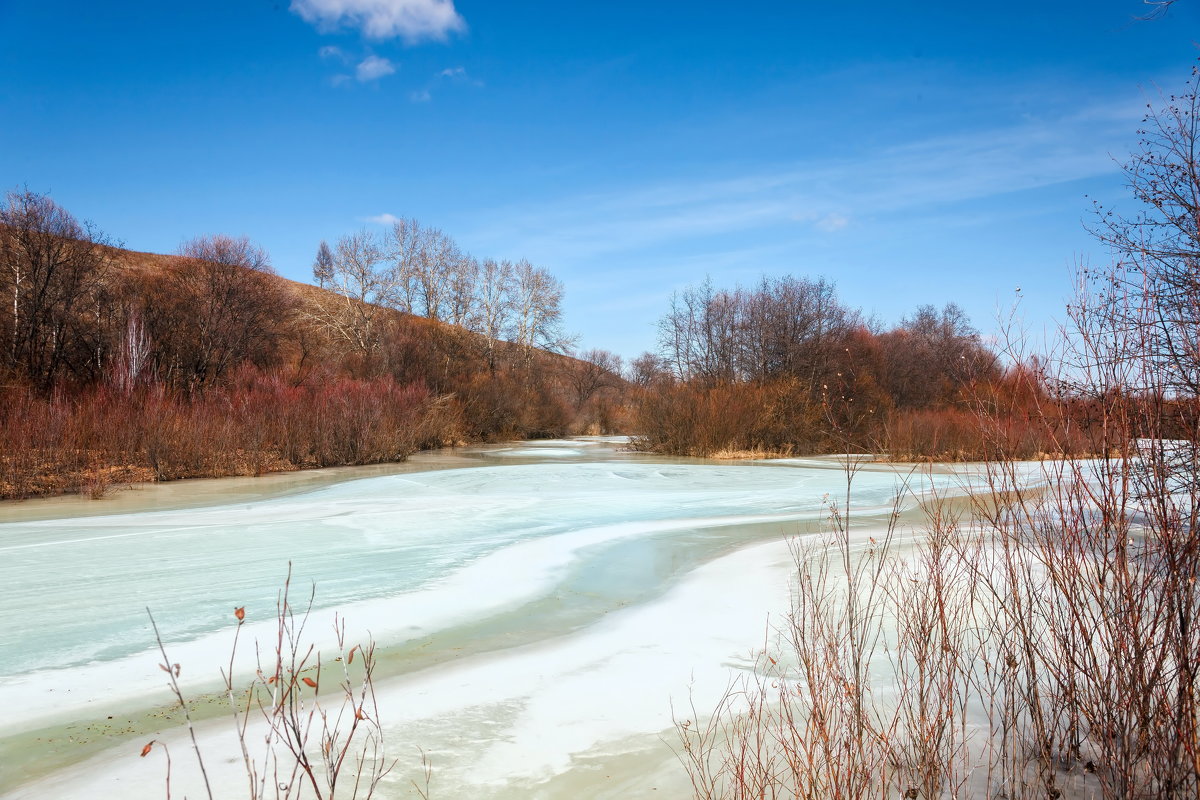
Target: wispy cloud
832	222
459	75
384	219
926	176
454	75
372	68
330	51
409	20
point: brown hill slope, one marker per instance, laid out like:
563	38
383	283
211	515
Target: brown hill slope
205	364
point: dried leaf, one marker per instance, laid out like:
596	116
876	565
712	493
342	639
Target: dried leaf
164	667
146	749
240	613
359	713
272	679
310	682
350	658
176	669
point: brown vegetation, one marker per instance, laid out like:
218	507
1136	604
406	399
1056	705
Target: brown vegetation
118	366
784	367
258	423
311	742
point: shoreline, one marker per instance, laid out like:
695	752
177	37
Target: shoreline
200	492
188	493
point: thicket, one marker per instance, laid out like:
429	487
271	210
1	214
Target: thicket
96	438
118	366
785	367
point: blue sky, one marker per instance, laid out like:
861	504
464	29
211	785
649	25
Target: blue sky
910	152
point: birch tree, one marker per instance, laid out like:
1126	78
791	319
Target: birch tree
537	310
460	298
438	256
493	305
361	283
405	245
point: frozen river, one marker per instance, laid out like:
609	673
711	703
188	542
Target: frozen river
538	608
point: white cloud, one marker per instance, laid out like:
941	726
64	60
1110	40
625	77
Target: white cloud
330	51
454	75
832	222
410	20
372	68
458	75
384	219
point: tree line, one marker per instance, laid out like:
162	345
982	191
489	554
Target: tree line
420	270
87	328
786	366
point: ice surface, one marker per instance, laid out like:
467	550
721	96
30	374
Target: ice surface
76	591
524	713
415	555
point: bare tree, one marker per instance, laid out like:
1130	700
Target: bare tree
783	328
493	305
405	245
648	370
438	258
361	285
219	306
133	355
931	356
698	333
460	296
594	371
537	309
429	271
792	327
52	274
1158	246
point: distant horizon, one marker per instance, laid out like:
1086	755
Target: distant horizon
920	157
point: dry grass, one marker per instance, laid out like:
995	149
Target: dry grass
101	438
1026	650
312	743
747	455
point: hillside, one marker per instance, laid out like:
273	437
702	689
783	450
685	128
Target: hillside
124	365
